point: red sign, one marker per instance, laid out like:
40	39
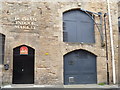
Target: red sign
23	50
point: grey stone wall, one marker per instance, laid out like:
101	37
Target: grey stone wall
45	35
119	48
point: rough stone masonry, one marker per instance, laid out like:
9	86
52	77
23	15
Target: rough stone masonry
39	24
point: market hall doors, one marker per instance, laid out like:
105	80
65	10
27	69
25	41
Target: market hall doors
23	65
80	68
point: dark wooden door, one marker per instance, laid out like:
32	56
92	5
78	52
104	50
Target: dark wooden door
23	66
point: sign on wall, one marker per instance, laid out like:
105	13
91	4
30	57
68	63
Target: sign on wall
26	23
23	50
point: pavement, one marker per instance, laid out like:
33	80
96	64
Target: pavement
60	87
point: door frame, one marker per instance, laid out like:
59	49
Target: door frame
13	61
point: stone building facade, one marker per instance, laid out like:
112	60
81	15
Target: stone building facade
119	42
39	25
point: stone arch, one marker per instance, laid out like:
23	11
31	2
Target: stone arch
92	52
71	9
24	45
28	45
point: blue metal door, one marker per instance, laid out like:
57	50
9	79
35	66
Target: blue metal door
78	27
80	68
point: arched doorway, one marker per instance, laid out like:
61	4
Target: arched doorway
80	68
23	65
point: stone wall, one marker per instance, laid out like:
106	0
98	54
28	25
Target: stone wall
45	35
119	48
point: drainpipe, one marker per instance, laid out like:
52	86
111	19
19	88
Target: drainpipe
111	41
106	47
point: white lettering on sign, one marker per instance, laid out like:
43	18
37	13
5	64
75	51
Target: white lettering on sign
25	23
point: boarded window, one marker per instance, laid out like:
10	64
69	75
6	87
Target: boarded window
79	27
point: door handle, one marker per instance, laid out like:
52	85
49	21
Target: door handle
22	69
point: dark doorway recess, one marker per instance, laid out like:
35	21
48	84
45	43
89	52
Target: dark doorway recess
23	66
2	46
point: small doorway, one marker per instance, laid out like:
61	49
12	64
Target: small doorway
23	65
